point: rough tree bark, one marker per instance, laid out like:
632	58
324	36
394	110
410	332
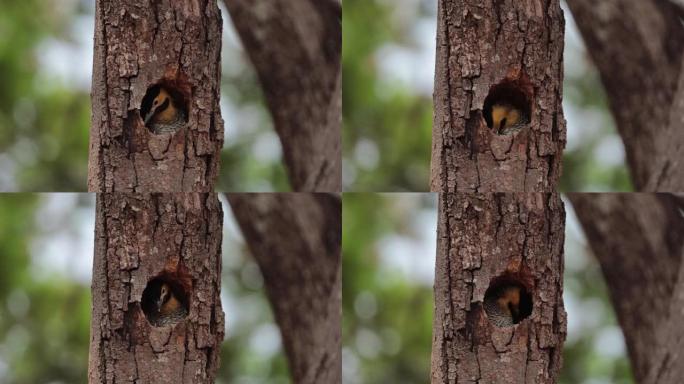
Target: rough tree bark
138	45
482	239
138	239
638	241
295	46
296	240
511	51
644	79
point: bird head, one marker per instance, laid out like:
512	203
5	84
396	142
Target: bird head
510	300
162	108
164	295
504	115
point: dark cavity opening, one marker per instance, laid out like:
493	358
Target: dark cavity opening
164	302
510	94
165	107
507	302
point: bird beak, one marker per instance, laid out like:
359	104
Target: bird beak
149	116
159	303
515	312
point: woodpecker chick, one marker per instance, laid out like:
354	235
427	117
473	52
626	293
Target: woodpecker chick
164	116
508	119
503	306
169	309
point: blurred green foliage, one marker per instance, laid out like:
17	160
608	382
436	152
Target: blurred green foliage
389	121
251	352
43	124
44	321
590	354
382	118
250	160
582	169
387	318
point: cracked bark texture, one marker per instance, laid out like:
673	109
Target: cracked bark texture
296	47
482	237
637	239
137	238
481	44
137	44
644	79
296	240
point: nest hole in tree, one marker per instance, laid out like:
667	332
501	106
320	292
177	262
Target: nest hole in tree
164	301
507	301
154	104
514	93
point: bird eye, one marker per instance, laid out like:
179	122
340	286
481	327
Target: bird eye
155	102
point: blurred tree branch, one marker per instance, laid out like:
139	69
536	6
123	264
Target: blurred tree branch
296	240
637	240
638	47
295	46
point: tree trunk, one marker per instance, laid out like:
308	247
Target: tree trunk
301	77
644	79
172	44
498	51
296	240
488	244
638	241
142	242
